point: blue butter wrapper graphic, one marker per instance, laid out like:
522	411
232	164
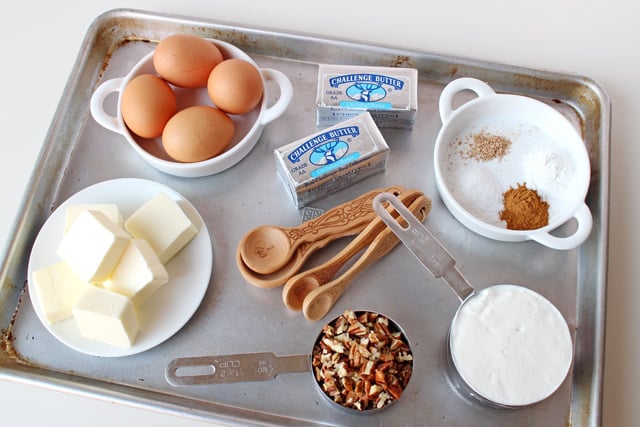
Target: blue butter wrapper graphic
389	94
331	159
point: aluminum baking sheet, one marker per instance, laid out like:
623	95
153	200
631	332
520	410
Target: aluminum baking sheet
237	317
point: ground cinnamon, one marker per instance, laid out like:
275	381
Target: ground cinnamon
524	209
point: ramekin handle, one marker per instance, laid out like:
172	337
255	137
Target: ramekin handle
450	90
585	223
286	94
97	104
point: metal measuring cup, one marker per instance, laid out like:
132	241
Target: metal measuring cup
247	367
515	356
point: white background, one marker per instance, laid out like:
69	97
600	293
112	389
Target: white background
40	40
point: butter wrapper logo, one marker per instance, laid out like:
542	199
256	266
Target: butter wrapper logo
324	162
366	87
390	94
326	148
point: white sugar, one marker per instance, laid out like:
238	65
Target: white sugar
534	160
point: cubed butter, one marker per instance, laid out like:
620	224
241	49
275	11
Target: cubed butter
139	273
93	245
106	316
162	223
58	289
111	210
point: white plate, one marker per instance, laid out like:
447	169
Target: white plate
167	311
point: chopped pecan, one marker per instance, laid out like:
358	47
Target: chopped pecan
347	383
334	345
357	329
396	344
387	357
395	390
367	368
374	391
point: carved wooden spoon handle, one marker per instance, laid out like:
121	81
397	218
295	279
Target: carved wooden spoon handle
347	215
266	248
319	301
296	287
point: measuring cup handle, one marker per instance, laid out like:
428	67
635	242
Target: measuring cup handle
465	83
423	245
585	223
96	106
233	368
286	94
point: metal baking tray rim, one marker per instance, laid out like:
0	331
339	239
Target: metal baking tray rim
14	369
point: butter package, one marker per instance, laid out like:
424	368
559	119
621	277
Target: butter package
332	159
390	94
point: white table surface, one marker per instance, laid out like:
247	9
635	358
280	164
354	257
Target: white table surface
40	40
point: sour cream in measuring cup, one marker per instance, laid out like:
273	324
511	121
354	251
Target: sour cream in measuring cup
510	345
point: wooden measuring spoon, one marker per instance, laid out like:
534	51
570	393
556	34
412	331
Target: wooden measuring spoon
295	263
298	286
319	301
267	248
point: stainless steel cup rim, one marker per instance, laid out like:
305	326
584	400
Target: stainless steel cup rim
393	326
466	388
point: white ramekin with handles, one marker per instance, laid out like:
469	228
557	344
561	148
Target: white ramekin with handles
522	117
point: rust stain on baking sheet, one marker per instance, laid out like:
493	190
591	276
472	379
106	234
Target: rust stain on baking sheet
115	47
581	392
249	43
579	96
402	61
535	82
117	34
234	37
7	350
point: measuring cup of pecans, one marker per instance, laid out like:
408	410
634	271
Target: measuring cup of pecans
362	361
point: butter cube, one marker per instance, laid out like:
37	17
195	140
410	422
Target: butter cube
58	289
109	209
162	223
139	273
93	245
106	316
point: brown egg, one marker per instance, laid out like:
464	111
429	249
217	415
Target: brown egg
147	104
235	86
186	60
197	133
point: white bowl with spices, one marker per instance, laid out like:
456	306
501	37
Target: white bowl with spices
512	168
